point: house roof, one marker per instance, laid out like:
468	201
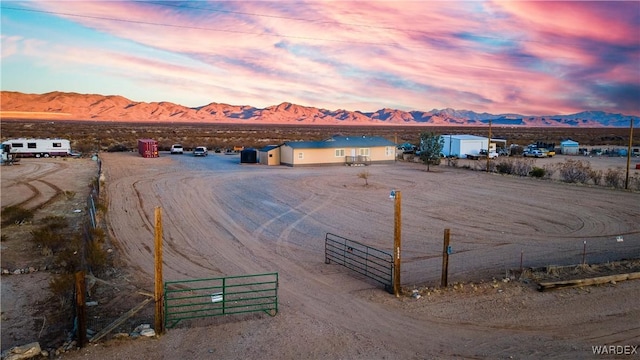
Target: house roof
465	137
269	148
569	143
342	142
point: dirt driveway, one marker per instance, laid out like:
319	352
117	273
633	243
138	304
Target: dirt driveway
221	218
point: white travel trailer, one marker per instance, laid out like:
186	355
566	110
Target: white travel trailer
38	147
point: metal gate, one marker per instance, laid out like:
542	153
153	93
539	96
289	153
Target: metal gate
200	298
368	261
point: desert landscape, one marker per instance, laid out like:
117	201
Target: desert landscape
222	218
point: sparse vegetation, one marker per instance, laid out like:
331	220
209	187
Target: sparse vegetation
614	178
575	171
15	215
365	176
537	172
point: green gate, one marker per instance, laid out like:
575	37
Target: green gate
368	261
200	298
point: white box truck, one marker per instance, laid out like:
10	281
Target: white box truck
38	147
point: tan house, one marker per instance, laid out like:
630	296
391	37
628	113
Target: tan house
338	150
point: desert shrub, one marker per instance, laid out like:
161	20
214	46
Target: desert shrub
15	215
537	172
614	178
50	235
62	287
3	238
85	146
118	148
96	256
70	194
634	183
452	162
55	222
574	171
522	167
69	258
549	171
596	176
504	166
364	175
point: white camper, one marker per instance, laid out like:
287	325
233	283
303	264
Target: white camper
38	147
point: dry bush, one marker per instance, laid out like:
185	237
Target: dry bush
596	176
62	287
575	171
537	172
15	215
549	171
614	178
522	166
365	176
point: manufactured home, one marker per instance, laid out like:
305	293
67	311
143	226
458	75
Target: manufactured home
338	150
38	147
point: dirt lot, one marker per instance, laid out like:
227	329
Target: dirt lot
221	218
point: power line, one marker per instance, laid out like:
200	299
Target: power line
139	22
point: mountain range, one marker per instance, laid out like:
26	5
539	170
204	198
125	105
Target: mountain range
74	106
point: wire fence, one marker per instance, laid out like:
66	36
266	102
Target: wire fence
474	261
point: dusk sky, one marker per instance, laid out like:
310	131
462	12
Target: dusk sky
529	58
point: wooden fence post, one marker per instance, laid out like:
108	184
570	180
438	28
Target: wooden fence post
397	243
159	290
445	258
81	310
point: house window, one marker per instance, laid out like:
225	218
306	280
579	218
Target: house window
363	151
300	155
388	151
339	152
32	145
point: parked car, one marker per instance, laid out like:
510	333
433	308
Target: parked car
548	153
200	151
534	153
177	149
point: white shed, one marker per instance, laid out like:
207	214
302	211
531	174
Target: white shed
569	147
461	145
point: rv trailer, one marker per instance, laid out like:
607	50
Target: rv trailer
38	147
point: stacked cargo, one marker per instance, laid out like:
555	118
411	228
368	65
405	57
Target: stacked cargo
148	148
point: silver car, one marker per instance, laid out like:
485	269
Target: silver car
200	151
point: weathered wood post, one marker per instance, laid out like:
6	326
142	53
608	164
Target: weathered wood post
159	291
445	259
397	243
81	310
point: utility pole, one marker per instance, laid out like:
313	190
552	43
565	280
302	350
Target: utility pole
397	195
489	146
626	179
159	291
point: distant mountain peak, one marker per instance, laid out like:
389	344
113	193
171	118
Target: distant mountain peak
117	108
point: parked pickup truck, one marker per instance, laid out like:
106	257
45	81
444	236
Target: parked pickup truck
534	153
482	155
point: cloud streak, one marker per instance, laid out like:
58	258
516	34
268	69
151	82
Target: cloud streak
531	58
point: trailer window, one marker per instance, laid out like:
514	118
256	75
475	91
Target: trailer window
17	145
31	145
57	144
